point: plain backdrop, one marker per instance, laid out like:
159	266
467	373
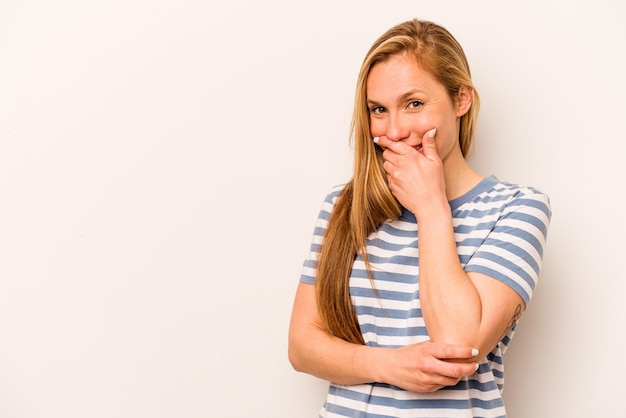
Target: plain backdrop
162	164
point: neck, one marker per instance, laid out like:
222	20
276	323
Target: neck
460	177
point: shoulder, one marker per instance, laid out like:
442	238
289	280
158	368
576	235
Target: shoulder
333	194
492	196
328	204
518	195
519	207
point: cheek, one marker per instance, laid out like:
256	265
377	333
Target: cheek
425	123
447	139
377	127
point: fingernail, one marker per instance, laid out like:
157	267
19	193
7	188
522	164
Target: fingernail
474	352
476	366
375	139
432	132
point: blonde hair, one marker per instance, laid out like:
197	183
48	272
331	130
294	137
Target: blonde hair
366	201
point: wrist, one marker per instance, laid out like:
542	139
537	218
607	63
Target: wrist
432	210
377	365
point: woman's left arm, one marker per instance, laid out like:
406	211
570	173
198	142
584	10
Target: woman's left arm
459	307
464	308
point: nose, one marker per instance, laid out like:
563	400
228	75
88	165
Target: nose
397	128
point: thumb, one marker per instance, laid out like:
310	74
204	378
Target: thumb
428	144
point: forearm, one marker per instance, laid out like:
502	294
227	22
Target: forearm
421	367
312	350
450	302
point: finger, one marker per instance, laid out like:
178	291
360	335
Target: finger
390	157
388	167
453	352
429	145
446	374
397	147
458	370
381	143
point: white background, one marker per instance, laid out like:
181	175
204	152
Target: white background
162	164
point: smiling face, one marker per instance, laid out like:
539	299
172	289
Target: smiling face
405	102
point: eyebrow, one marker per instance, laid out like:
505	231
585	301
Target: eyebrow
401	98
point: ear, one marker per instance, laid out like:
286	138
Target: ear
464	100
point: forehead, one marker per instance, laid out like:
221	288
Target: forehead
398	75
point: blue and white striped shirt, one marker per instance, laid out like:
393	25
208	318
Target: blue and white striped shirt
500	230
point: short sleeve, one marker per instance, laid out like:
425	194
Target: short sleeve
513	250
309	267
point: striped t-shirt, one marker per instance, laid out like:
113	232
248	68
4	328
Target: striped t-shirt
500	230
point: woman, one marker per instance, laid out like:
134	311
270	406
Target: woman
420	267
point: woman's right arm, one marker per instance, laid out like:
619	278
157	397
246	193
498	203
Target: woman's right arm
423	367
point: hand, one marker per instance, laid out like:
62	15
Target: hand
428	366
415	175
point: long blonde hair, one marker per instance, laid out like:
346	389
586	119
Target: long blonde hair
366	201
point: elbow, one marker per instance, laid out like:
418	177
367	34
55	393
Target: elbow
293	359
293	354
463	332
463	339
475	340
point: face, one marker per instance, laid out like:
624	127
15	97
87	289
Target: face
405	102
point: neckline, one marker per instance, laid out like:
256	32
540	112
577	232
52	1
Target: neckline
482	186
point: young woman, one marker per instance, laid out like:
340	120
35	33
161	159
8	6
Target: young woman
420	267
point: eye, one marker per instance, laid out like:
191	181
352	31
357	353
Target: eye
377	109
413	104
